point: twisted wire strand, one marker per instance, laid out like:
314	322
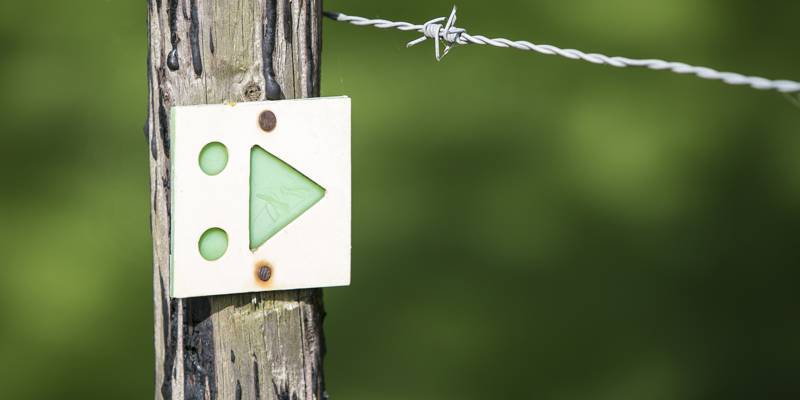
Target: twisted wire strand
458	36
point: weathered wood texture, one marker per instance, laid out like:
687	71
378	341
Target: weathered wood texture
253	346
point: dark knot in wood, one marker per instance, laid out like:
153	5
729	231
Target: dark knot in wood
252	92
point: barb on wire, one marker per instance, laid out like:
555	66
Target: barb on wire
434	31
453	36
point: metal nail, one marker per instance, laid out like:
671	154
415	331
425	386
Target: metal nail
267	120
264	273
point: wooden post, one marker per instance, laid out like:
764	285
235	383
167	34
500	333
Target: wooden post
266	345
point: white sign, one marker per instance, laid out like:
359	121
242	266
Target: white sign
260	196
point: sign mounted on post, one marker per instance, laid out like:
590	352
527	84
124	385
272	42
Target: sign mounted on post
260	196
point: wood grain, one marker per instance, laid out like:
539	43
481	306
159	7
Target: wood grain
266	345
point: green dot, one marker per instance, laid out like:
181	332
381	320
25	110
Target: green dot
213	158
213	244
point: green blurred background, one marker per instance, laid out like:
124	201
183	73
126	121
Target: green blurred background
524	226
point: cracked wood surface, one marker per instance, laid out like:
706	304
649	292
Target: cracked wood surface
247	346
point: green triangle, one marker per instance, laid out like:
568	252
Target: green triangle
278	195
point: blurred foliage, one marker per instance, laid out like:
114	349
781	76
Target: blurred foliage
524	226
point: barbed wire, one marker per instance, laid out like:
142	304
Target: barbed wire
459	36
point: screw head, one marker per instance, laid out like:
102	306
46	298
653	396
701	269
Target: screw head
264	273
267	120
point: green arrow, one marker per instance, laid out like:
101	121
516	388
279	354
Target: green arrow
278	195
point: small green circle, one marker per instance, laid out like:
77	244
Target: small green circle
213	244
213	158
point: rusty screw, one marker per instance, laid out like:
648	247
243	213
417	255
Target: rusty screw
264	273
266	120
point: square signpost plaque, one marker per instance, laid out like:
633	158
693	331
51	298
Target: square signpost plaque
260	196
